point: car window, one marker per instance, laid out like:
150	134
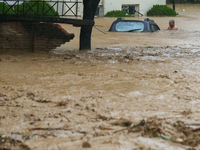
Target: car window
130	26
154	28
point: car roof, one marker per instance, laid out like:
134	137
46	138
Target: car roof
124	20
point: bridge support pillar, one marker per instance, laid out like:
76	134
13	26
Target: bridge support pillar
90	7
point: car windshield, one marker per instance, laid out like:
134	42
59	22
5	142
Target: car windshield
130	26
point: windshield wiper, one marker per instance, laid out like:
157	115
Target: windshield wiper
133	30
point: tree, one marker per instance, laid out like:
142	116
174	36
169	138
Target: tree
89	10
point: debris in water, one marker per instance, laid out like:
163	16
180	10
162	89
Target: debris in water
10	144
102	117
103	127
178	140
62	103
123	123
165	137
86	145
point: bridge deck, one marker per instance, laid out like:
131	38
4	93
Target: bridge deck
75	22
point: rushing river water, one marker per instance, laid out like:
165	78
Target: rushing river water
62	99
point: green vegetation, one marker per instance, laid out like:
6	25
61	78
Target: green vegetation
117	13
4	8
40	8
161	10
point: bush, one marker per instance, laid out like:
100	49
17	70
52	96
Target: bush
5	7
161	10
117	13
40	8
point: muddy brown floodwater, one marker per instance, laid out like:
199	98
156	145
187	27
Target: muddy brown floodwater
133	91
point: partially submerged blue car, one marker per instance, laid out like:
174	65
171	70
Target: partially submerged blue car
122	25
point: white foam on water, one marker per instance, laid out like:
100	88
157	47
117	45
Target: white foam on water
155	144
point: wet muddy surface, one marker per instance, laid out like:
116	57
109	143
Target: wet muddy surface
131	92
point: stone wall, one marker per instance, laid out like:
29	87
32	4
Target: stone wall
32	36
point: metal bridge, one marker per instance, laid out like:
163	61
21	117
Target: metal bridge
67	8
55	11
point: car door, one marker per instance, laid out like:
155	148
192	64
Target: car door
154	27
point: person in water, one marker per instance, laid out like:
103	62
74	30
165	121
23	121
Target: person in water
172	25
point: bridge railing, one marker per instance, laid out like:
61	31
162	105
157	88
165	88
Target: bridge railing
68	8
